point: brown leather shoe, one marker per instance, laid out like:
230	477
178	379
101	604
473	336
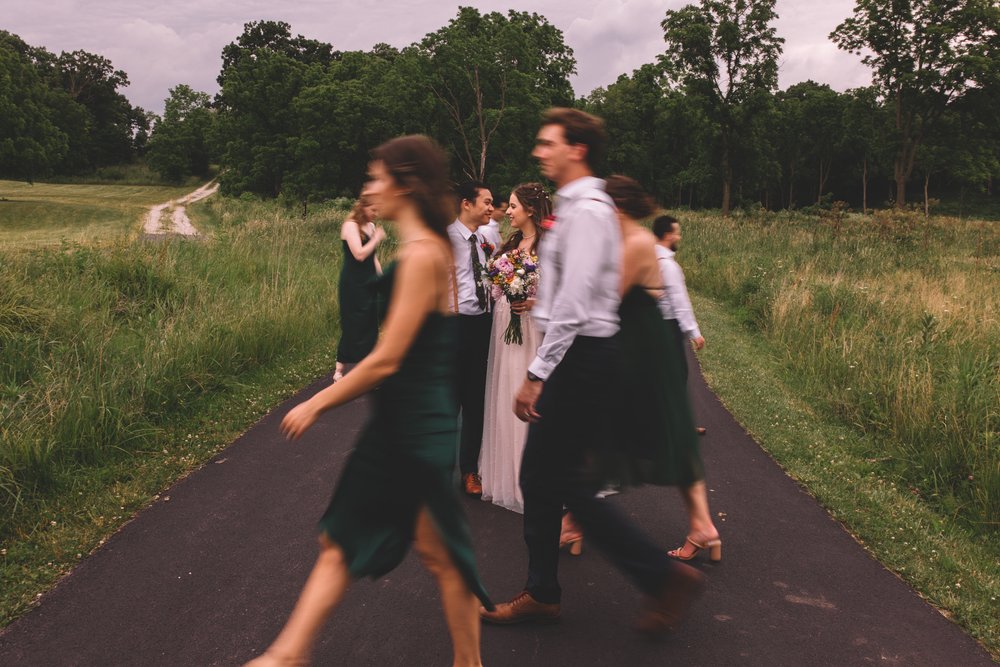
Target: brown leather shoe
522	609
661	614
472	484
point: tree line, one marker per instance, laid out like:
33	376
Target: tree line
705	125
63	114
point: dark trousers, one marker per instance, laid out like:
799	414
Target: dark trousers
681	341
473	351
579	417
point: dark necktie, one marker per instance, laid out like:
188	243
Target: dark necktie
477	271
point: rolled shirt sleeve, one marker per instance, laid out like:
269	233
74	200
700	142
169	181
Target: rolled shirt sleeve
678	302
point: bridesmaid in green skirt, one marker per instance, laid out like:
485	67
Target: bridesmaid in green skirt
358	274
396	488
658	423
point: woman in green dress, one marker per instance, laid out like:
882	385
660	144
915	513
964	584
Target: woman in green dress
359	238
658	424
396	488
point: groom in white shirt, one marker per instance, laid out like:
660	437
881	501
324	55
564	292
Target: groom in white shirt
570	392
472	244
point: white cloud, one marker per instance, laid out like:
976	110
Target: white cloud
617	38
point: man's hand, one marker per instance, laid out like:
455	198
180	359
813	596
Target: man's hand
698	343
525	400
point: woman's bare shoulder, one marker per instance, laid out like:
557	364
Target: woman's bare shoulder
639	241
423	251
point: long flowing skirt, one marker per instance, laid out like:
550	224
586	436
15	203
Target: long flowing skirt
503	433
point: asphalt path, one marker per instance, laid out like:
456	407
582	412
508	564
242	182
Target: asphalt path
208	573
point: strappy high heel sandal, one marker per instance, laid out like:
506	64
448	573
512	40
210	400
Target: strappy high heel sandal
714	548
571	536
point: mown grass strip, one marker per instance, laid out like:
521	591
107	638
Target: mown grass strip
45	214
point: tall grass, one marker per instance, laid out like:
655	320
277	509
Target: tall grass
102	346
888	322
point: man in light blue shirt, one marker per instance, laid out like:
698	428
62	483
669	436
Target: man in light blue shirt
570	392
675	304
473	243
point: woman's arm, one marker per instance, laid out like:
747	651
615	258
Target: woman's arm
351	232
413	298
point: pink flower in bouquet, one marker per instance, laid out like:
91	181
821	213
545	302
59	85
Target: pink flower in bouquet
504	265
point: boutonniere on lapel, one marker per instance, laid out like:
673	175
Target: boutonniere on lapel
488	248
549	222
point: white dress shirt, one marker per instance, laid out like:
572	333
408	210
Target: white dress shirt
468	304
675	304
582	256
494	225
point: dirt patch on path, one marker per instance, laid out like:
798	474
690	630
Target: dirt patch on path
157	224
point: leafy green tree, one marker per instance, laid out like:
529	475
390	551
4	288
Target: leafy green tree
658	135
92	82
810	134
924	54
179	146
865	124
491	75
274	36
373	97
263	72
725	54
95	125
962	151
631	108
31	143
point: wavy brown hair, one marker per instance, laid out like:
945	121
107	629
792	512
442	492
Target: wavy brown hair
535	200
629	196
420	168
357	213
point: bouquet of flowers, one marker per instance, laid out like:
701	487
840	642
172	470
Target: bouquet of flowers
513	274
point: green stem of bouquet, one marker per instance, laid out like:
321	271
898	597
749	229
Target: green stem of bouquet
513	334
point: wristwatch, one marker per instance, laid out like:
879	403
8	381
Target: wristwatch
533	378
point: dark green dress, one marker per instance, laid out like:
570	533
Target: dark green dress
359	317
660	445
404	461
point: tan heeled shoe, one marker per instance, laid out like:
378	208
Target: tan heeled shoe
574	543
268	660
714	548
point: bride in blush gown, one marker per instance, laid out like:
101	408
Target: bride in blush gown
503	433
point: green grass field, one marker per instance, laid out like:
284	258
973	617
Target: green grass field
47	214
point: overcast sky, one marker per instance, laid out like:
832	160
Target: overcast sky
165	42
